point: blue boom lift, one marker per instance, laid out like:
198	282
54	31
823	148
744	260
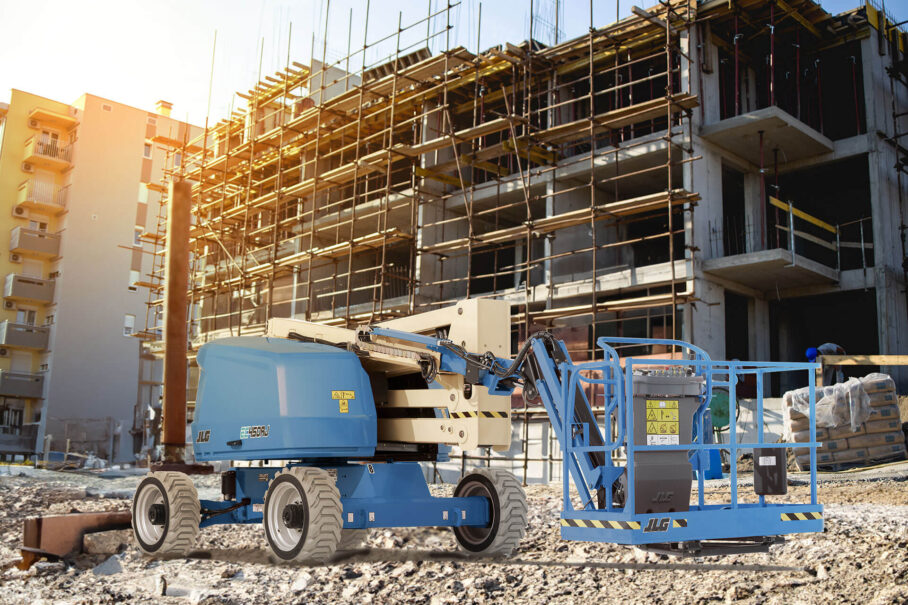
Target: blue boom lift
327	441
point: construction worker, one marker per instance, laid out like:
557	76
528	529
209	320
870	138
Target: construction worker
831	374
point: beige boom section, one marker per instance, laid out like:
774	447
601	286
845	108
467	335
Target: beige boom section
466	417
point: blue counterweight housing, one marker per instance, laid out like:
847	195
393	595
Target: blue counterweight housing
274	398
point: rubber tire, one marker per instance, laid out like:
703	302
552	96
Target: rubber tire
509	512
352	539
323	530
181	501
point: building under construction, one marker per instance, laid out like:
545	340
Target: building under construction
727	173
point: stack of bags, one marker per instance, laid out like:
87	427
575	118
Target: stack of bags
857	422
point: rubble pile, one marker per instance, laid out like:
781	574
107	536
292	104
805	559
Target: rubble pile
859	559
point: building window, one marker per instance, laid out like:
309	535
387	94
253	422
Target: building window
147	153
129	324
44	367
133	279
26	316
152	121
106	107
137	237
49	320
177	159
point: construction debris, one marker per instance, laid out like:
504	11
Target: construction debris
860	558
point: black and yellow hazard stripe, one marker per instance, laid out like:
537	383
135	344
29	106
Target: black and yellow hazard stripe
801	516
600	524
479	414
679	522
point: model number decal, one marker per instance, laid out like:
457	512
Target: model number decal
254	432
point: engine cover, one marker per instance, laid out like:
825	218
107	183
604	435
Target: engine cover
274	398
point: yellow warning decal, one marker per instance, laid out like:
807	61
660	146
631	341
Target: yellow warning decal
801	516
479	414
343	400
661	417
600	524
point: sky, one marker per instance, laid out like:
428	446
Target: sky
136	52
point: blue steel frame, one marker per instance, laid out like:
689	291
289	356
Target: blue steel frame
703	521
372	495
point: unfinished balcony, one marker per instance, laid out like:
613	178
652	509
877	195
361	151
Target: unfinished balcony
34	243
799	250
48	153
755	136
24	385
46	198
23	288
23	336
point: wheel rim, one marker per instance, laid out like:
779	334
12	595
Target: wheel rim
148	496
475	535
283	537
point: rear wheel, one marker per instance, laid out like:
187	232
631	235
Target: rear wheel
302	516
507	510
166	514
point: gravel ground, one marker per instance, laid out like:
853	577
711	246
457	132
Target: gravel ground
861	558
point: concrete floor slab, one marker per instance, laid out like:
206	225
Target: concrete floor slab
741	135
768	270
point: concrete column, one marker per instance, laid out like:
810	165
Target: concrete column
892	314
704	323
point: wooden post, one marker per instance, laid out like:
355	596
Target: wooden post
176	284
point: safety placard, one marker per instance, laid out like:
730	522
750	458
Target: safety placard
343	400
662	426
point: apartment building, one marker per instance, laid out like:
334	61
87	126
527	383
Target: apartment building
74	201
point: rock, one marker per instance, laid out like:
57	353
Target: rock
407	569
109	567
301	582
350	591
43	568
736	593
822	574
230	572
160	585
106	542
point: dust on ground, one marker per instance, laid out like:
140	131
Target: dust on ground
862	557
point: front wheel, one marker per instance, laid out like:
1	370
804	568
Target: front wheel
507	512
302	515
166	514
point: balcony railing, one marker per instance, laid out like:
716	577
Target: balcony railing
32	242
31	289
18	439
23	336
56	151
42	196
27	385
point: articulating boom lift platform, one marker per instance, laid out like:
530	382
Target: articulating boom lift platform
337	421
